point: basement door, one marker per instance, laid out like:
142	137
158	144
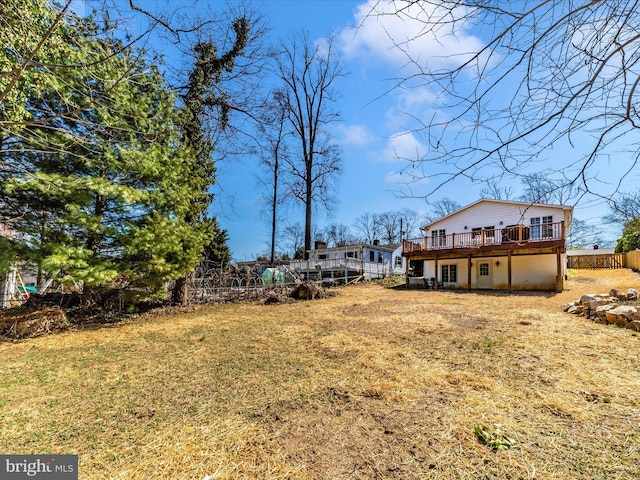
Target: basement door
485	280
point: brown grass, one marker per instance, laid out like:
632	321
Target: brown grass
370	383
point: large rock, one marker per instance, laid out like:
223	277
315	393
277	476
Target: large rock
622	322
623	313
602	310
632	294
594	301
587	297
634	325
614	292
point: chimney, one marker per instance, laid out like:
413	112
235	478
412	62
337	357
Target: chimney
376	243
320	244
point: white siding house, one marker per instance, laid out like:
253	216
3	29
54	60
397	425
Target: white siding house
492	244
351	261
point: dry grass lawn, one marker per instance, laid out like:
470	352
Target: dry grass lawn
371	383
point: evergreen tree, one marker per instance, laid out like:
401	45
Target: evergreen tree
630	239
102	191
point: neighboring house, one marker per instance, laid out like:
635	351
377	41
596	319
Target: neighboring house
493	245
351	261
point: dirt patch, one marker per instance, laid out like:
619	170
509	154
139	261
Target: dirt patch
359	438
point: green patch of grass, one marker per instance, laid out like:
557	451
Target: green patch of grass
493	437
488	345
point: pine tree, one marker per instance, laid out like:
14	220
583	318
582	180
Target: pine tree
101	188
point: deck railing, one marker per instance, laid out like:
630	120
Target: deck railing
340	264
513	234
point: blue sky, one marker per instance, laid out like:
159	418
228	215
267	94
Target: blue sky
368	133
373	127
363	133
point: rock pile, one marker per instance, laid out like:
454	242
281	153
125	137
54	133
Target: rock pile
608	308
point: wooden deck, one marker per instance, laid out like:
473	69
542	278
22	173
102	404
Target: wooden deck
516	240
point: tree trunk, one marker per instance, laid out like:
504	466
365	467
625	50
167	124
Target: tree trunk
274	206
307	218
93	240
180	292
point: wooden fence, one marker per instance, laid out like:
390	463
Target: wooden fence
632	260
604	260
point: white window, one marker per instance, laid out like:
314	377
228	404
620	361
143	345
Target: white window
535	227
542	227
449	274
547	227
490	233
484	269
438	238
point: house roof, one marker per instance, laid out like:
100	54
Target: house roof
503	202
590	251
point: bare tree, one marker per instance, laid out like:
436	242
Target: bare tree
409	222
272	149
582	234
538	74
338	235
493	189
390	226
309	73
294	234
539	188
367	227
442	208
624	208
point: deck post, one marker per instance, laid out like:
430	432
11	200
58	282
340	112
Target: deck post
559	277
469	272
406	272
509	275
436	274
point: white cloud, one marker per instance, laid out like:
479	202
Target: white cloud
354	135
403	147
421	36
411	109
